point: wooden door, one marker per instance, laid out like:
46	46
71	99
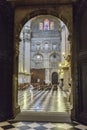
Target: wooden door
54	78
79	112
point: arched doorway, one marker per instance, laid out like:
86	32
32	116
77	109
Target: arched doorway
54	78
80	103
42	53
28	17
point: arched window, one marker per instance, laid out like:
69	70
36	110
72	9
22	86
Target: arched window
46	46
40	26
51	25
38	57
46	24
54	46
38	47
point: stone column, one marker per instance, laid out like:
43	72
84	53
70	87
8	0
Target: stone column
46	64
16	107
27	62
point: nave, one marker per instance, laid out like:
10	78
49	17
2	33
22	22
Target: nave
47	100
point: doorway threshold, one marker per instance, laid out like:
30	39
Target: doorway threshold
61	117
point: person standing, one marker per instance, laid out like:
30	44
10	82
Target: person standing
31	91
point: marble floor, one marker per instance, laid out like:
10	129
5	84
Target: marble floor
42	100
11	125
47	100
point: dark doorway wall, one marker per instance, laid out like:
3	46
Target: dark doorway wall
6	56
80	62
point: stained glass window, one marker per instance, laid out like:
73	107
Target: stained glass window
46	24
51	25
40	26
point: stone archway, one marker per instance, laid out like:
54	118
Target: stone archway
61	12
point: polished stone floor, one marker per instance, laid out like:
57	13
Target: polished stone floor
48	100
42	100
11	125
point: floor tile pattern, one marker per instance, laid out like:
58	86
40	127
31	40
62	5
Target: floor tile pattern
13	125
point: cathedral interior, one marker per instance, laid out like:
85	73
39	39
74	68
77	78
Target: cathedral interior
43	64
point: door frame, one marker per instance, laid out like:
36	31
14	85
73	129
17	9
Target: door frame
79	63
29	13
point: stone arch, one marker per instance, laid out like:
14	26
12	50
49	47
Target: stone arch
61	12
66	19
